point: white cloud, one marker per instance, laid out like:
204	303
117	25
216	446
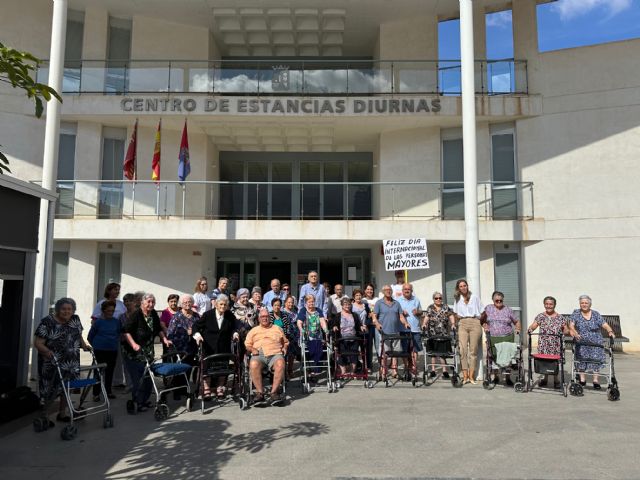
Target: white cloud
569	9
499	19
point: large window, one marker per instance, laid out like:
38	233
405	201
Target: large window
66	165
109	261
111	195
452	172
59	275
118	55
507	277
73	51
455	268
295	185
503	171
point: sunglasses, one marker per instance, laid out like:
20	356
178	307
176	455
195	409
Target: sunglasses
437	298
499	301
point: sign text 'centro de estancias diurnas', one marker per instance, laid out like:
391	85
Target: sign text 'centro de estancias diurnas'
280	106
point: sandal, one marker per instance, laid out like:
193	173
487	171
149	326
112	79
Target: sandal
206	395
596	386
220	392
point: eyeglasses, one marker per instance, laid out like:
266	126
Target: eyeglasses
498	301
286	288
437	298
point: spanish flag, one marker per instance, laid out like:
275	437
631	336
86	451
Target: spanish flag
155	162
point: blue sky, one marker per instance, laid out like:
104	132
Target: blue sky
561	24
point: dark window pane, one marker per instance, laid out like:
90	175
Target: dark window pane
452	171
310	194
503	169
359	195
281	194
257	193
333	194
231	195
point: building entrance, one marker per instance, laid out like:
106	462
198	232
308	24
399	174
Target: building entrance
248	268
271	270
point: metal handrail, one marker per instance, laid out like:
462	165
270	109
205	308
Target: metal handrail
242	182
497	200
251	76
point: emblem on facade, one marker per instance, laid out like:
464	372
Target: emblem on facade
280	79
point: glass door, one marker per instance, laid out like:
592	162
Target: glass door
353	274
280	196
257	192
310	202
111	194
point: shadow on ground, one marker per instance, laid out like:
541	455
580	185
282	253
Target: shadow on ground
199	449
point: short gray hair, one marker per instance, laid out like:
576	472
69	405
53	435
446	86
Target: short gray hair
64	301
222	298
585	297
433	297
147	296
186	296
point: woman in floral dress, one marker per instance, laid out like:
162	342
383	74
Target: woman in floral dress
586	326
551	325
60	335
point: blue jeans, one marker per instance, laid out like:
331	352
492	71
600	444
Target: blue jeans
140	389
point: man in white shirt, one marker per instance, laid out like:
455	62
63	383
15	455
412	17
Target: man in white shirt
396	288
335	301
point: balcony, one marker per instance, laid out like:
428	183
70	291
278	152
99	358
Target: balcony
287	77
224	200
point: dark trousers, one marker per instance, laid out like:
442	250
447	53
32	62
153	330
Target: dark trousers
140	390
109	357
315	348
369	344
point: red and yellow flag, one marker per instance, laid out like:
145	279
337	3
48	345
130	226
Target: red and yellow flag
155	162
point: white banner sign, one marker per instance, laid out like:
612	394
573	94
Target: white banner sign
405	254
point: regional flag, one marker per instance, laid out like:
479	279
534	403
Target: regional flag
155	162
129	166
184	165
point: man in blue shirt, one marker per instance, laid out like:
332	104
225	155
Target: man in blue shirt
412	310
275	292
389	319
314	288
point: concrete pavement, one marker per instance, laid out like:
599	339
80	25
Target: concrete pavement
427	432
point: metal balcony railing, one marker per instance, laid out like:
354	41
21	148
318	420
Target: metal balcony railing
288	77
290	200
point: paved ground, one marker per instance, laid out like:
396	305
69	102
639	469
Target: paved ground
434	432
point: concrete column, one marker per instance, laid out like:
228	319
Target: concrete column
94	47
50	164
50	159
472	243
525	43
410	39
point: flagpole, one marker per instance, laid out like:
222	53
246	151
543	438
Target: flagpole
184	199
133	200
158	200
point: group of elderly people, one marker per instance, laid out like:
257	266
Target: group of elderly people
269	327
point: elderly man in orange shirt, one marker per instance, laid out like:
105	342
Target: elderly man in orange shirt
268	346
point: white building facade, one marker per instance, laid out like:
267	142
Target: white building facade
319	129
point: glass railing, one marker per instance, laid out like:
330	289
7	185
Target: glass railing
272	77
290	200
